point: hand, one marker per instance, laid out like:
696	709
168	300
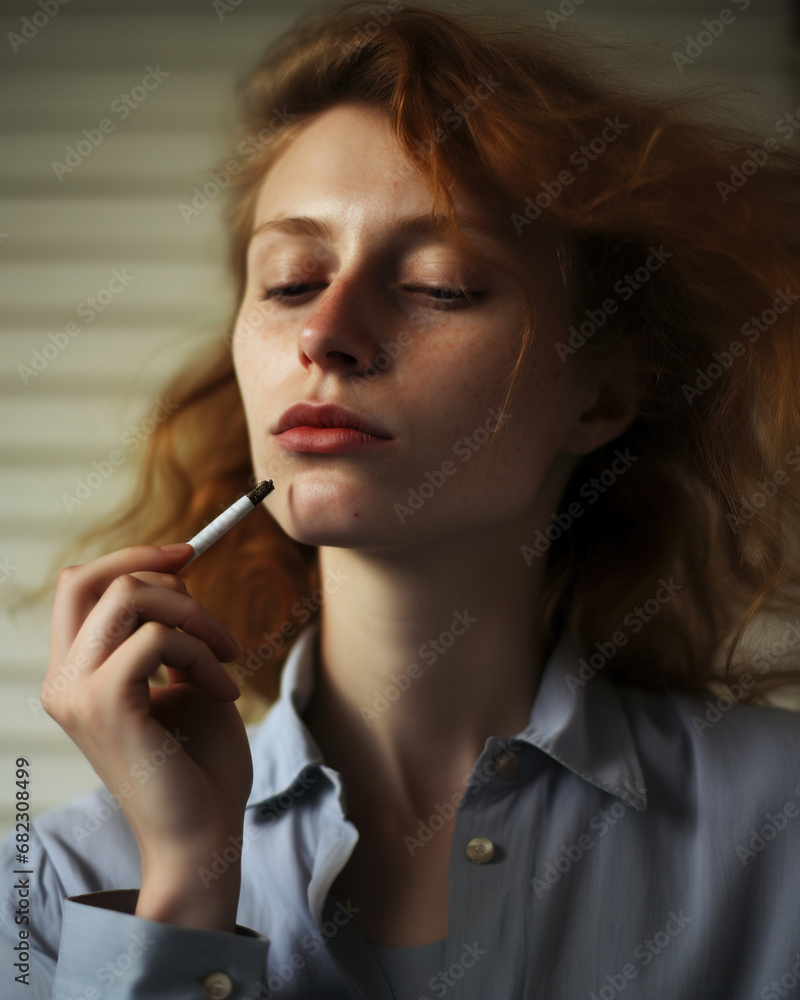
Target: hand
177	758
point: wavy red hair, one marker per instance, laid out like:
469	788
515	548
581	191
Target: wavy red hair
706	435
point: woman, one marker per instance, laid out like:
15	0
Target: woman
502	761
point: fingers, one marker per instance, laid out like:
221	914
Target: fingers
101	610
116	620
163	580
80	587
149	647
128	602
109	696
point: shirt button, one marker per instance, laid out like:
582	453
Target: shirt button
480	850
218	986
507	763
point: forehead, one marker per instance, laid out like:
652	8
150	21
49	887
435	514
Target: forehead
344	173
346	152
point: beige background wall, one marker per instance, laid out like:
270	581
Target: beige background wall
63	238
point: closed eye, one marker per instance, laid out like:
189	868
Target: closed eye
448	297
284	292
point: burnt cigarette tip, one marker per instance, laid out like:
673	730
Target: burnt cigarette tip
262	490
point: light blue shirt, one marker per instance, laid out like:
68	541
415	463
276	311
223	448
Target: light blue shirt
645	844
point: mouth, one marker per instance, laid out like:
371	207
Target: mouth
327	428
327	440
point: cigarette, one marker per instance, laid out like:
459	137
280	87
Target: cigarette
205	538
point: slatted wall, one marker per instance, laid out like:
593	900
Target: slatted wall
102	245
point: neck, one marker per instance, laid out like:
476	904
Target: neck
425	652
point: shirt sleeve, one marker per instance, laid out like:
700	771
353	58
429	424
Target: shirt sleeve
56	946
106	948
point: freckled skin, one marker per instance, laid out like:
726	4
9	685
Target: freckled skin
345	167
366	293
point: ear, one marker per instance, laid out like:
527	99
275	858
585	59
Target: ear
606	404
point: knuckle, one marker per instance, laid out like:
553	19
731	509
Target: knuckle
125	586
57	706
48	698
169	580
67	576
152	631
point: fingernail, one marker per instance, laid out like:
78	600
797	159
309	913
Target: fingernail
174	548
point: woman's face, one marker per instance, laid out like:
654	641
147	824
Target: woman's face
345	309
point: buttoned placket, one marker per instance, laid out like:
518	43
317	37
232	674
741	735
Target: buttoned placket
478	854
497	771
552	745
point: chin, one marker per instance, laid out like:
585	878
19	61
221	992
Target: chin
356	529
358	535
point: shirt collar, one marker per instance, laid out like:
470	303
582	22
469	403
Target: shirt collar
582	724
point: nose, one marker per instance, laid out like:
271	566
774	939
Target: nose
340	333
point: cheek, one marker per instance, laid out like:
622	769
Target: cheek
543	403
252	372
539	411
471	353
250	339
251	321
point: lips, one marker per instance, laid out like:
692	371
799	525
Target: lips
306	414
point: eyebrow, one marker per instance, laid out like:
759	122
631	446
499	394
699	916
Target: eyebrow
405	225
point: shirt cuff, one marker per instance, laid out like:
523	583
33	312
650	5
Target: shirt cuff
107	950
